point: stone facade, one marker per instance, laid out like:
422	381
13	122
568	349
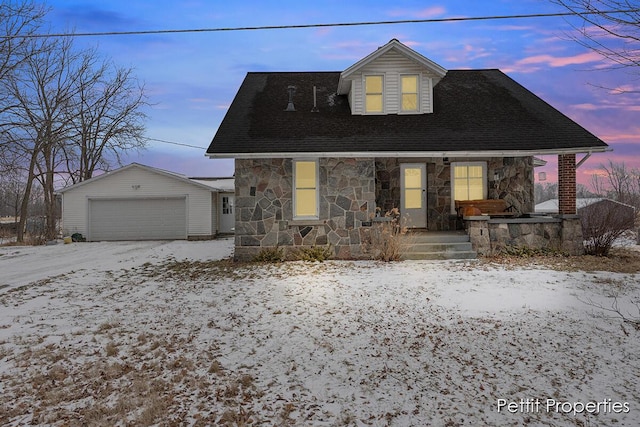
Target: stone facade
350	189
264	211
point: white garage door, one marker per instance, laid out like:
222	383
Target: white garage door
137	219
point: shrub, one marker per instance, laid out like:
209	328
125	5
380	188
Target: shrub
602	224
388	237
270	255
314	253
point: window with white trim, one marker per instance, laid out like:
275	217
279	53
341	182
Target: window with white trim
305	195
409	96
468	181
373	94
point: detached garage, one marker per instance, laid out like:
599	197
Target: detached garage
138	202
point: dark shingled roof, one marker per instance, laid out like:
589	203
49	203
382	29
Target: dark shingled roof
474	110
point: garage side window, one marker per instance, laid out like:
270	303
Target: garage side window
227	207
305	196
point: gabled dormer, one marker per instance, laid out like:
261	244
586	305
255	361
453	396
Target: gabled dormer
392	80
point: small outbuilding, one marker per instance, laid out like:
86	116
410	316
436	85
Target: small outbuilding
138	202
587	204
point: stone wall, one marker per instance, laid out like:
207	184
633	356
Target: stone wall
387	184
492	236
515	183
264	211
439	216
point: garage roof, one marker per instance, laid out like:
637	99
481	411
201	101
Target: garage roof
198	183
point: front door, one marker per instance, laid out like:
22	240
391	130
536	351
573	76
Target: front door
413	200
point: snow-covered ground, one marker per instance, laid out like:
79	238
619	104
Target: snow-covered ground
169	333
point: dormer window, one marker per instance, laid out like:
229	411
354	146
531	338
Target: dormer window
409	95
373	86
392	80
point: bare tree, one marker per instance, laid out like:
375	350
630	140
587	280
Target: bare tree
106	119
65	113
42	90
11	189
598	185
17	19
544	191
618	182
609	27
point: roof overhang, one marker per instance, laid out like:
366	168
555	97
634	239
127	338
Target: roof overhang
410	154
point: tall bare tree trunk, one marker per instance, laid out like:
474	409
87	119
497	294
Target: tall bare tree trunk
24	205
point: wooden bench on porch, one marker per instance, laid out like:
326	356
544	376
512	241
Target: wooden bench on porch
490	207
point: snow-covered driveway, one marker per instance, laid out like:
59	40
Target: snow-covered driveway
21	265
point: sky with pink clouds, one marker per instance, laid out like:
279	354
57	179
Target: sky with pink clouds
191	78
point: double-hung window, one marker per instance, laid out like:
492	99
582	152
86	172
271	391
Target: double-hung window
409	93
468	180
305	196
373	89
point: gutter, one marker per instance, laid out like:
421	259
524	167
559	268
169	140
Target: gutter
412	154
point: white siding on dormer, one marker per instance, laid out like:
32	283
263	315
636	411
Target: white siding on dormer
392	65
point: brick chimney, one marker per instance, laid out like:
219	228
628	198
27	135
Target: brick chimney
567	184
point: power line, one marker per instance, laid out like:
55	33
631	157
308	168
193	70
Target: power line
341	24
175	143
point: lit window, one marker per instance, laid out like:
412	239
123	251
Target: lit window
409	85
373	94
306	189
468	180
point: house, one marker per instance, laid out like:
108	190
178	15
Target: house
317	154
138	202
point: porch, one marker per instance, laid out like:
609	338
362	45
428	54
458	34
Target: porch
485	236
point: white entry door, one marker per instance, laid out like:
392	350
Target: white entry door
227	214
413	196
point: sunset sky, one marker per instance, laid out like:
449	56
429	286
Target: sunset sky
191	78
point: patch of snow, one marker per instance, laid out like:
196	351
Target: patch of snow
21	265
121	333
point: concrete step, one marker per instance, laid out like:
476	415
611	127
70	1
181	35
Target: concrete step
459	255
438	237
438	246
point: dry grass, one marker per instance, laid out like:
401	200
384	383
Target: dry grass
111	349
134	384
620	260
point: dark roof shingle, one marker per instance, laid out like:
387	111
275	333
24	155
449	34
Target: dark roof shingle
474	110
